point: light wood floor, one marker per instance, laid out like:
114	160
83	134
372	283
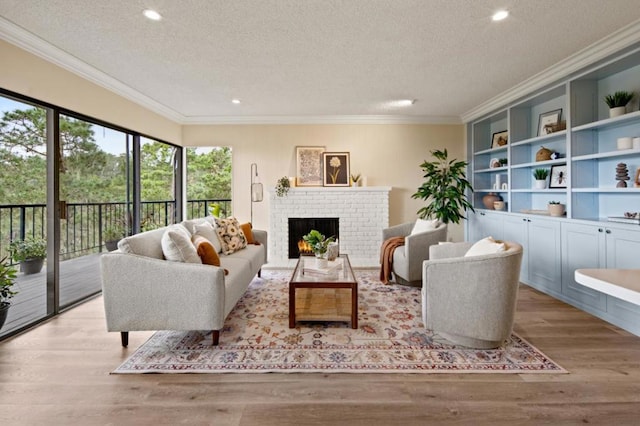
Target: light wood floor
58	373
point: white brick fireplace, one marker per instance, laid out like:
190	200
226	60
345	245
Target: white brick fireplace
362	212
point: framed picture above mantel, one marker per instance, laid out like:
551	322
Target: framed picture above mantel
335	168
309	165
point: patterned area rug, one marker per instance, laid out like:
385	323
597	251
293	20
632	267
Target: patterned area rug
390	339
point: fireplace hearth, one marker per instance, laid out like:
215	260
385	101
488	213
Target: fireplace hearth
298	227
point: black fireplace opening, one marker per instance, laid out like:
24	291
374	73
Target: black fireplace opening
301	226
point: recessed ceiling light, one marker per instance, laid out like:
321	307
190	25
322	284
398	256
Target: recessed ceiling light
402	103
152	14
500	15
235	101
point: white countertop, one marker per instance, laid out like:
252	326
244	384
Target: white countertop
621	283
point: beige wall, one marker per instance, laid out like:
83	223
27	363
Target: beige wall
28	75
388	155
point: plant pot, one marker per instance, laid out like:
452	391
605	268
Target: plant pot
489	199
617	111
321	262
556	210
4	311
31	266
111	245
540	184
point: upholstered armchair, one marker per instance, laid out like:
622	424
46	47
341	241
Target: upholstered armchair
407	259
471	301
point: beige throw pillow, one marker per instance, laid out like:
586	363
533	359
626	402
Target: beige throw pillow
424	226
485	246
177	245
206	229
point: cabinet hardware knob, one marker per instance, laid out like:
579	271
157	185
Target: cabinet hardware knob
600	229
608	231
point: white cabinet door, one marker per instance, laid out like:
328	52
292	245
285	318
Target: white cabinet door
623	248
483	224
543	254
515	229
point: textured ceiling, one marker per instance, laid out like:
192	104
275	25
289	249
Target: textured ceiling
311	58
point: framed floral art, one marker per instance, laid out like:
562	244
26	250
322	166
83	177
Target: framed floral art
335	167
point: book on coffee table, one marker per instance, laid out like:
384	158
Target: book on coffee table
332	266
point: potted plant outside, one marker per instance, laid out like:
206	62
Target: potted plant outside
540	175
111	236
617	102
319	245
556	208
7	280
30	253
444	188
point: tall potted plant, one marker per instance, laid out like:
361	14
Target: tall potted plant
30	252
7	280
444	188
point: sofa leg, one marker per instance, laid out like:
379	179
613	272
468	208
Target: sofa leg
124	338
215	337
260	273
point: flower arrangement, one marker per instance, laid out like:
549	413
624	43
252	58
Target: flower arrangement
318	242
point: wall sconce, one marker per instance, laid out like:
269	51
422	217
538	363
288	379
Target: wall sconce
256	187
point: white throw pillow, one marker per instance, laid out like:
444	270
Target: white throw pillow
207	230
177	245
486	246
424	226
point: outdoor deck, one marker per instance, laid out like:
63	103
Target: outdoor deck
79	278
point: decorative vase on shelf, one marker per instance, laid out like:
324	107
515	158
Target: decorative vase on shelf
617	111
540	184
556	210
489	199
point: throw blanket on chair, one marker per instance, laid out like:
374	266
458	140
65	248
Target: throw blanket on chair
386	257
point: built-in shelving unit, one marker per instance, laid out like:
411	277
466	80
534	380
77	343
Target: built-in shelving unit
587	154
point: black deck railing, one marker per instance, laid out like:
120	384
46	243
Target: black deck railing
86	225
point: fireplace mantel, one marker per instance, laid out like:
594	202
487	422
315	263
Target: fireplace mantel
363	213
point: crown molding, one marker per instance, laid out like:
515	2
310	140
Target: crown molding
42	49
598	51
323	119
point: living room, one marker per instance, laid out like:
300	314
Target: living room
73	354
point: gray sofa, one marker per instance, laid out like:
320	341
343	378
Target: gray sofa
471	301
142	291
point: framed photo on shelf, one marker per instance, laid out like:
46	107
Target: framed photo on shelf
559	176
499	139
335	168
309	165
547	120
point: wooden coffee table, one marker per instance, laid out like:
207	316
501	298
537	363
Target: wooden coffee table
319	297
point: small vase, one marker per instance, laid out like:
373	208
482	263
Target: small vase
556	210
617	111
489	199
540	184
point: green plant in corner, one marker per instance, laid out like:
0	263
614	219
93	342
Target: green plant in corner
282	186
318	242
540	174
444	188
618	99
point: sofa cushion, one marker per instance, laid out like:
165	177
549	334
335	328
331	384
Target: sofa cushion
424	226
205	250
177	246
485	246
144	244
207	230
248	233
230	234
251	253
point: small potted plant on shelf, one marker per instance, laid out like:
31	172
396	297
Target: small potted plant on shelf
30	252
7	280
540	175
556	208
617	102
282	186
319	245
355	179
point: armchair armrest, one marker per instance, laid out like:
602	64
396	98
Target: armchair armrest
420	244
445	251
397	231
